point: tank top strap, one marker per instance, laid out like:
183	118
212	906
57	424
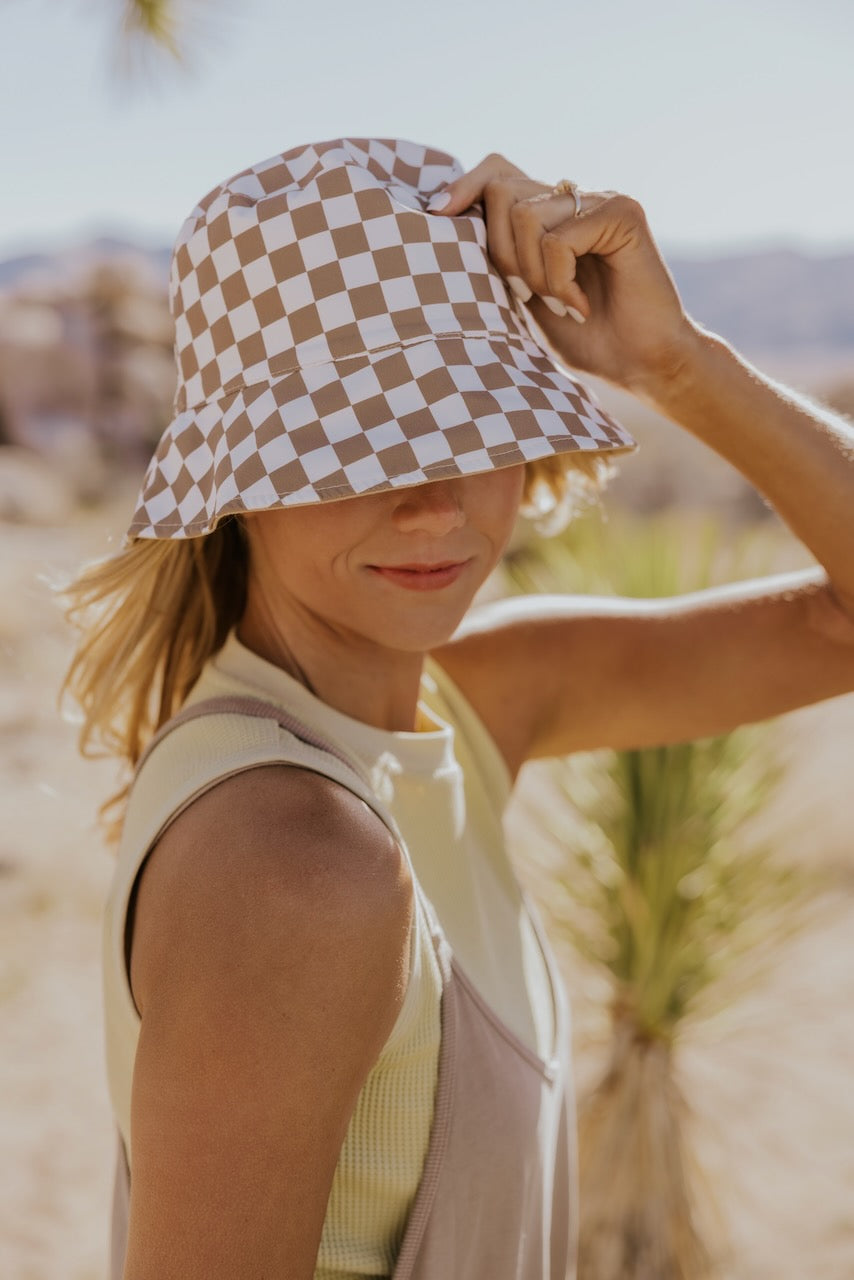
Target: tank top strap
231	704
357	779
310	749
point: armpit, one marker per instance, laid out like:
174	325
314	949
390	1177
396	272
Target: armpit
831	616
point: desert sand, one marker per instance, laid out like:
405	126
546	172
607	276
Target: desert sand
770	1082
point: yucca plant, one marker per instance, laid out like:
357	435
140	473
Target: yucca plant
154	21
661	888
154	33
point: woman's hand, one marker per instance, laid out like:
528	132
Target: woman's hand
605	264
624	320
762	648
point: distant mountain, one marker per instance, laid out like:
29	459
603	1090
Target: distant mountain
777	300
14	269
64	262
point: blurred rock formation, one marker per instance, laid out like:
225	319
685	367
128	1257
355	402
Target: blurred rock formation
86	365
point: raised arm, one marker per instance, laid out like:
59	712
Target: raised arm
627	324
269	964
796	452
577	674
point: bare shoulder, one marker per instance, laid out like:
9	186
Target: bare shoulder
269	963
260	846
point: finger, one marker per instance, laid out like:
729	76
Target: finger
500	196
612	225
468	188
532	219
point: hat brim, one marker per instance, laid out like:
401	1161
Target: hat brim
388	419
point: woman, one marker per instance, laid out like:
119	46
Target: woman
336	1043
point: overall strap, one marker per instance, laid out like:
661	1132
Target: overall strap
358	781
230	704
350	772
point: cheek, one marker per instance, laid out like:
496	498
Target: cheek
307	545
501	495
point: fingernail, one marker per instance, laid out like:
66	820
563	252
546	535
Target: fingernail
576	315
555	305
439	201
521	290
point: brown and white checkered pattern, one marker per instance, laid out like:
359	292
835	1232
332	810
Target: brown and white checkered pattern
333	338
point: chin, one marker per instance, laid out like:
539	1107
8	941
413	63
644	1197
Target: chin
422	640
413	634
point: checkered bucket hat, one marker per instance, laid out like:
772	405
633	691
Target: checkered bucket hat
333	338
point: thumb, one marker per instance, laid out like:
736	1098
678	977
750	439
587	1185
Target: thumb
454	197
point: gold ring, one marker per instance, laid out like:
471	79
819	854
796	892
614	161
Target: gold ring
567	188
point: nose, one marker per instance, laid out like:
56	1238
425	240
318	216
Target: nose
434	508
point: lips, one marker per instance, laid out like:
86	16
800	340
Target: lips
421	568
421	577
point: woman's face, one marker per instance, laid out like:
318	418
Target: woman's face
367	566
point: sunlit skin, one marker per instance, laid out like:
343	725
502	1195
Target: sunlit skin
318	607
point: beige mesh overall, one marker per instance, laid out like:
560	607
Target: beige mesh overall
497	1196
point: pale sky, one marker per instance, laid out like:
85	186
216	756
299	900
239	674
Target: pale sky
730	120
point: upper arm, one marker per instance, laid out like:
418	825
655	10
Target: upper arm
550	675
269	963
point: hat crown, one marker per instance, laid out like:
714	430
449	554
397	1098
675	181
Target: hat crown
335	339
322	253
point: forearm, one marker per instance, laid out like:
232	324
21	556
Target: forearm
798	454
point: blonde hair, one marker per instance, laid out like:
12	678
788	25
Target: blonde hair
154	613
560	487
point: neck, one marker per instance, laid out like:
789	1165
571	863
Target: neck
377	686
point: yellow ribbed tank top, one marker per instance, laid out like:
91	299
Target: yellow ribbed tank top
446	785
